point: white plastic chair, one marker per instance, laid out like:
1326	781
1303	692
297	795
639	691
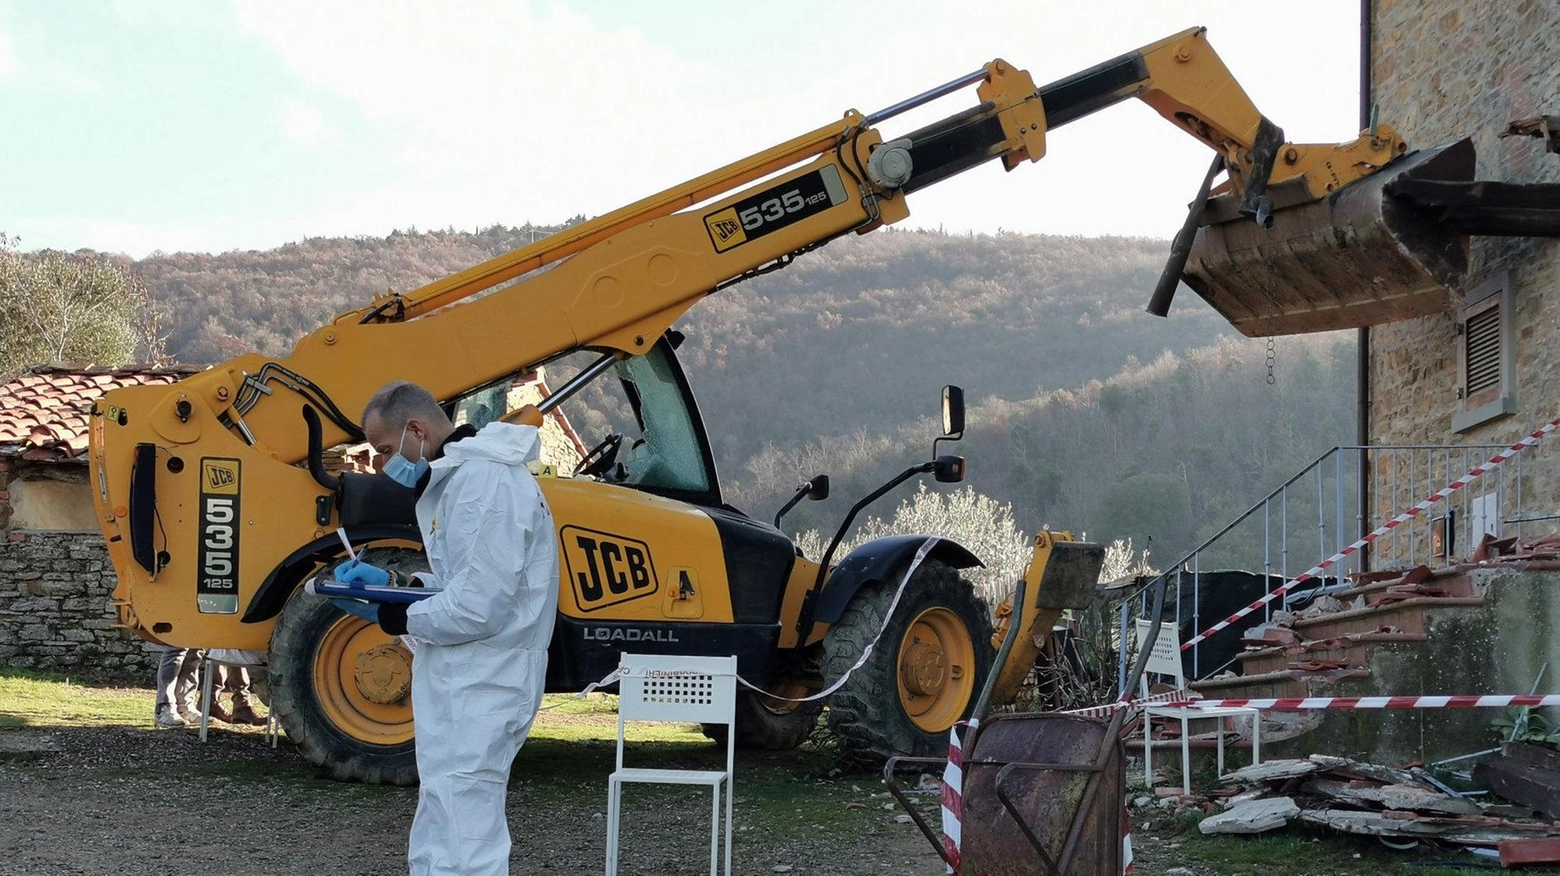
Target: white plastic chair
1165	660
682	689
238	660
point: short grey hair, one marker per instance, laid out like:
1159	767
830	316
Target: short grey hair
399	401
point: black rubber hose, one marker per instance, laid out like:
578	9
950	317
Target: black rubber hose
317	451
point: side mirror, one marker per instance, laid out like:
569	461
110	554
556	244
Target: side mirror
815	489
953	412
948	469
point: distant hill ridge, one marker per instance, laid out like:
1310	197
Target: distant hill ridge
852	342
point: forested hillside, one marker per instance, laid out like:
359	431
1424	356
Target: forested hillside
1086	413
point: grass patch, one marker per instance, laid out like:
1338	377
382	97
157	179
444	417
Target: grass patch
51	699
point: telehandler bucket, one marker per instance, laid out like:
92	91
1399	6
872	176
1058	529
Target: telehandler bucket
1356	257
1062	574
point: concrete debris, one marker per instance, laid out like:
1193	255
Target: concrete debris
1251	816
1373	800
1269	771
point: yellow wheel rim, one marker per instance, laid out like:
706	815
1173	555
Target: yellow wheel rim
791	690
362	677
935	670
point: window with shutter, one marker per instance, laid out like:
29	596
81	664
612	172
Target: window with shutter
1486	358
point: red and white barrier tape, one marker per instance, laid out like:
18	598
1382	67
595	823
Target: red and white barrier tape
1477	471
953	795
866	653
1303	704
1126	839
1168	696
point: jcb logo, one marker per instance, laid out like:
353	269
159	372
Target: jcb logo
221	476
606	569
725	229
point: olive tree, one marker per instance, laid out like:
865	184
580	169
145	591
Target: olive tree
59	307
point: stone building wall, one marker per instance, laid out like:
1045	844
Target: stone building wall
1443	70
54	600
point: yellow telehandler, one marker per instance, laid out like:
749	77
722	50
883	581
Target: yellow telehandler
216	506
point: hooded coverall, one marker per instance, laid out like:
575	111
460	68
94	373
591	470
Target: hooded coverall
481	662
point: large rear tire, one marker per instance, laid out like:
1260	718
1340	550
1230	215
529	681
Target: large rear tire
924	674
341	689
768	724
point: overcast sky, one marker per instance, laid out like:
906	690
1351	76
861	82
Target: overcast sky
210	126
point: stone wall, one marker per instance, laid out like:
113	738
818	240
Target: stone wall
54	592
1443	70
54	613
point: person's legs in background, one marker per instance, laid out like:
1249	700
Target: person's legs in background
168	666
237	685
185	694
221	678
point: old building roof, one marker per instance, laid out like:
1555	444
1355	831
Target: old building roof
43	412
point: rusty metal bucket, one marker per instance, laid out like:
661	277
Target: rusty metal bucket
1042	796
1026	780
1042	793
1355	258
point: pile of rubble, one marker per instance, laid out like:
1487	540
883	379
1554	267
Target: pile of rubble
1364	799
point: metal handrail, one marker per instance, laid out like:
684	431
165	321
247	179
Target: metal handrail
1190	564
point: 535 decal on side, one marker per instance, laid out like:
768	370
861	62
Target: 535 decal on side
773	209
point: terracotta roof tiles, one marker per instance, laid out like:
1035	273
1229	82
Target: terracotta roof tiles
43	413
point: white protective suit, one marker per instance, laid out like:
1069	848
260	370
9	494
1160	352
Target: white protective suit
481	660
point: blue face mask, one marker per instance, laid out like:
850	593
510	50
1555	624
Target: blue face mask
402	471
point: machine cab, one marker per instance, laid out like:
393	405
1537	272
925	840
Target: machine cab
631	422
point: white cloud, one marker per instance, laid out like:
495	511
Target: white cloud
302	124
503	111
497	111
9	65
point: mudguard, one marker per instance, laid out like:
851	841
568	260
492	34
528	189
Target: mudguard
882	559
285	578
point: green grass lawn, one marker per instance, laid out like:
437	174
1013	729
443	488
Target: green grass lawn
47	699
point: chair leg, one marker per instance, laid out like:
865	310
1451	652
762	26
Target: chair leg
614	799
205	697
715	829
1186	756
1148	752
1221	746
730	792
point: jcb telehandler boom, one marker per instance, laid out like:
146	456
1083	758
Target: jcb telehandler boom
215	507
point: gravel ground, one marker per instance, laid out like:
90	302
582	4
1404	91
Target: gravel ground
126	800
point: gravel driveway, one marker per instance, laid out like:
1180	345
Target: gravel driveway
128	800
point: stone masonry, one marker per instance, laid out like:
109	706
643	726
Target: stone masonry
1443	70
54	611
54	614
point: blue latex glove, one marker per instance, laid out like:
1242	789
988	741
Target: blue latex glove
365	610
359	572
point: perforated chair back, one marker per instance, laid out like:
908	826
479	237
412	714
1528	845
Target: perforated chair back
661	687
1165	658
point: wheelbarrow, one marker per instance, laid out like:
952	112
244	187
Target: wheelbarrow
1043	794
